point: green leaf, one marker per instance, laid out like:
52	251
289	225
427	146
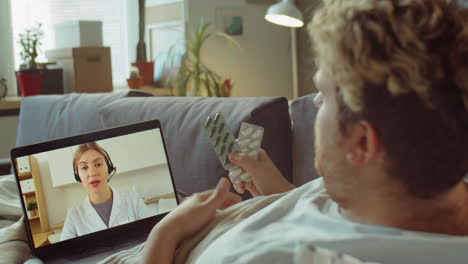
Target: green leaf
215	81
193	68
207	84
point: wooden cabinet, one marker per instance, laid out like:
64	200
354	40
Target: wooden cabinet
40	223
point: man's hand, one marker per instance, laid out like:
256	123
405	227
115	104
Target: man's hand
266	178
184	221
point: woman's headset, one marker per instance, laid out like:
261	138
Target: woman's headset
111	169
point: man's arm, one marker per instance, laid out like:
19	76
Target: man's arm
266	177
184	221
160	247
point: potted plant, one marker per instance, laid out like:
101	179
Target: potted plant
146	68
194	77
135	81
31	207
29	76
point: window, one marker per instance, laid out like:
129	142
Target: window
120	26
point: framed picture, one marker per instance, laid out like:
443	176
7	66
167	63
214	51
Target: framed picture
230	20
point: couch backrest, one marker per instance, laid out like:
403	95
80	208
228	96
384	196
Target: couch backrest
303	112
194	163
47	117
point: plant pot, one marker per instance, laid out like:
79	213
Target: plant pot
31	213
146	70
30	82
135	83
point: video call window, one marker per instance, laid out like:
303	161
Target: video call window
73	191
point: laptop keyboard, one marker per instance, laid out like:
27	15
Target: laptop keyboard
99	249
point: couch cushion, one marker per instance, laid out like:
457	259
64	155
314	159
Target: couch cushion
194	163
47	117
303	112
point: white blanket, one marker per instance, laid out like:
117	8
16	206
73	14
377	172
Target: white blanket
14	247
13	240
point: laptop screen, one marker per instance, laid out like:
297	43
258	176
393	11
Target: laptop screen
94	182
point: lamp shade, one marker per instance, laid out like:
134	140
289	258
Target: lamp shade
285	13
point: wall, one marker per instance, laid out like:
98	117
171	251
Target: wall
7	61
8	131
164	13
262	66
306	65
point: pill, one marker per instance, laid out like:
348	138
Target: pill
243	142
245	177
254	145
213	130
216	119
208	122
218	139
221	127
230	147
234	178
247	132
257	134
223	149
236	171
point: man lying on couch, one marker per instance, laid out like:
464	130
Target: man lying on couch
391	145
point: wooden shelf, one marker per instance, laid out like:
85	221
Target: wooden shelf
25	176
41	239
29	193
40	223
156	199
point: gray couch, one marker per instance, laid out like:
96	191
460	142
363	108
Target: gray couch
288	137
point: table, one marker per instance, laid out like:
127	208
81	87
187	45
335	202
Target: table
10	105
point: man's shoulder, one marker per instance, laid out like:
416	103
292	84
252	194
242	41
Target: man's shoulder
315	195
313	187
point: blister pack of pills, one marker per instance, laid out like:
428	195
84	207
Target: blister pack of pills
249	141
221	138
223	142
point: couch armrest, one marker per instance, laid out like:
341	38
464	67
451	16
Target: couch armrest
5	166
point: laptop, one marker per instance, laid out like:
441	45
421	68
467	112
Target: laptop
89	196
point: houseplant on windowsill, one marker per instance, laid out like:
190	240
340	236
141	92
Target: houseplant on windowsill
146	68
135	81
29	76
194	77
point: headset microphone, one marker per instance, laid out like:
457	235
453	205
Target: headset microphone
111	169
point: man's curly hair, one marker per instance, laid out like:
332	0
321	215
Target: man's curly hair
403	66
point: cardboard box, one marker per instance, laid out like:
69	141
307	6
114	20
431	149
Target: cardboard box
85	70
23	164
78	33
27	185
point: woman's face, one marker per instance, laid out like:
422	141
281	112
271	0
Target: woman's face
93	171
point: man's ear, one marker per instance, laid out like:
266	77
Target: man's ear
365	145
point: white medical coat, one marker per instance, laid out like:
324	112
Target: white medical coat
83	218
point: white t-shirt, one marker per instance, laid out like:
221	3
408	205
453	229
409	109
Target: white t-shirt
289	228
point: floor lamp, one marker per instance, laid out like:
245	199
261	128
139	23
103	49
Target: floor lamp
285	13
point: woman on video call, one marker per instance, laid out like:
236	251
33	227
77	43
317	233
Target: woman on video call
104	207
